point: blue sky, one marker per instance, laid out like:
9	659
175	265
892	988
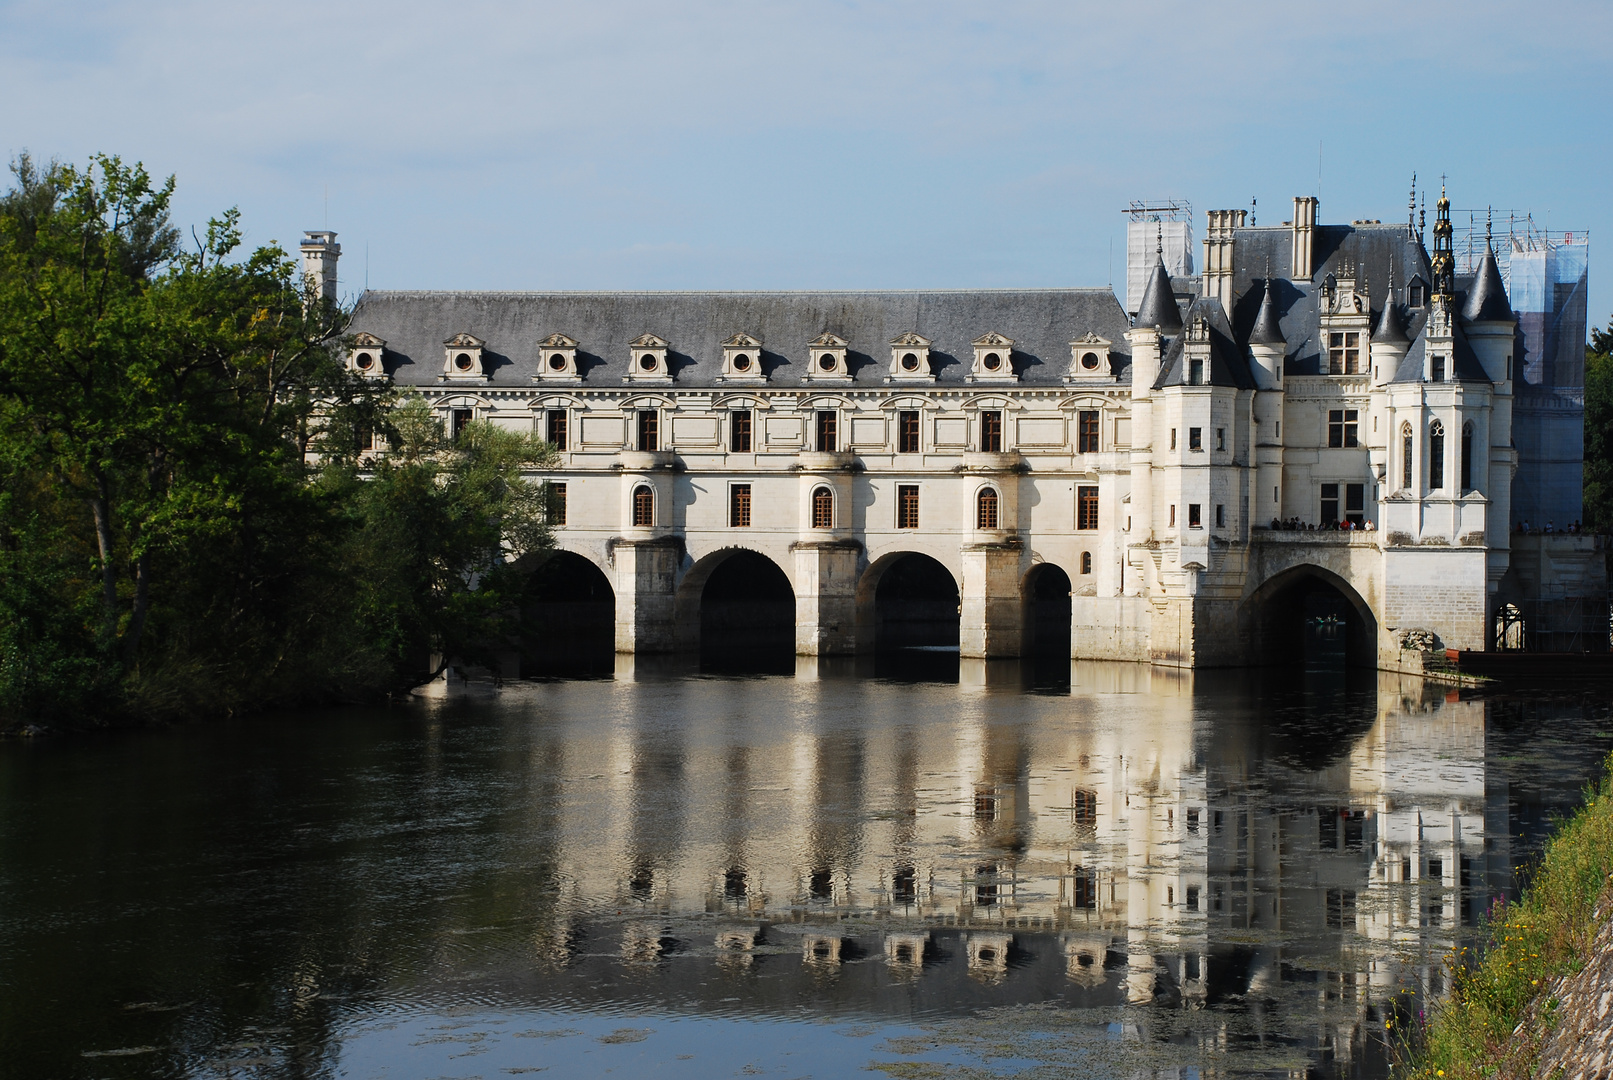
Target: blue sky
810	145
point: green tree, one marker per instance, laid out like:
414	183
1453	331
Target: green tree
1599	431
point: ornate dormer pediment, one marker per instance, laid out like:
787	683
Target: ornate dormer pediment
1089	359
648	359
826	359
910	358
557	359
742	359
462	358
367	355
993	359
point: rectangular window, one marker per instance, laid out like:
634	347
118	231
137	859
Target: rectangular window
1192	898
1195	438
907	506
555	428
991	432
557	504
907	433
1220	516
1173	515
1342	427
366	439
1086	508
1087	432
1438	365
739	432
649	430
1173	438
1194	521
1195	372
1355	503
1467	459
739	506
827	429
1344	353
1220	438
459	420
1330	503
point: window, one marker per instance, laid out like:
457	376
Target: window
907	506
1414	294
739	432
823	508
1344	353
1405	457
1342	427
1173	438
739	506
643	507
1220	516
1173	515
1087	432
1467	457
1195	372
1084	810
1086	508
991	431
1194	518
649	430
1084	887
1220	438
1086	562
1192	898
826	429
557	504
907	433
1436	456
366	439
1438	369
1355	503
1330	503
986	509
555	428
1195	438
459	420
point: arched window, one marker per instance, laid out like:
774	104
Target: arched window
1086	562
823	508
643	507
986	509
1405	457
1467	456
1436	456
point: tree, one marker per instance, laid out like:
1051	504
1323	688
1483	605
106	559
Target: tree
1599	431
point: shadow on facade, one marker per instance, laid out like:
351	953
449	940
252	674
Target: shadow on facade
568	620
1310	619
916	620
747	618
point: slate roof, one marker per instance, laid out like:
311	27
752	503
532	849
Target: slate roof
1487	297
1464	368
1158	306
1042	323
1267	330
1389	331
1229	365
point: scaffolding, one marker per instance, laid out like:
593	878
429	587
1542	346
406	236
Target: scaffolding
1156	225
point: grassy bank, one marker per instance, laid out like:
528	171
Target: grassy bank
1530	944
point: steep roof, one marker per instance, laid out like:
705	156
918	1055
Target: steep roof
1267	329
1228	365
1487	297
1389	330
1042	323
1465	366
1158	307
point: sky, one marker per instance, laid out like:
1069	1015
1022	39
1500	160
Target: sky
784	145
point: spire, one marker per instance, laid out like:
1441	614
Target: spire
1266	331
1443	262
1389	329
1158	308
1411	209
1487	299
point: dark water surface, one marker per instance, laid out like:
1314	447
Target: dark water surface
1105	871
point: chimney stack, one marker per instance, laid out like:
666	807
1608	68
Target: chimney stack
1304	232
1218	254
319	254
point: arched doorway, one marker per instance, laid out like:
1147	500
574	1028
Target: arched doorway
568	619
1047	611
747	616
911	603
1311	618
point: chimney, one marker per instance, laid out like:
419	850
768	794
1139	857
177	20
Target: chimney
1218	254
319	254
1304	231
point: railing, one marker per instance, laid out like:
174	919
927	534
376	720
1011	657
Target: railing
1262	534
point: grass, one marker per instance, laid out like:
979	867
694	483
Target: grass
1500	1012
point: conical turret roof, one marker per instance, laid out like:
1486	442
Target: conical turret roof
1158	308
1487	299
1266	330
1390	330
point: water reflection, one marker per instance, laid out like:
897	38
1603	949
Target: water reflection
1239	870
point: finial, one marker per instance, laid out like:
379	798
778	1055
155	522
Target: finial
1159	239
1252	212
1489	224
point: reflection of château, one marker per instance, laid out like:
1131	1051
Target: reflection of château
1000	470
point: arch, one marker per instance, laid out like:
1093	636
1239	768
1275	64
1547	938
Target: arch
568	618
908	600
823	508
1312	616
1436	456
643	507
1467	458
1046	591
736	609
986	509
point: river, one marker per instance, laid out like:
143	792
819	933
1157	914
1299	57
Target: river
946	870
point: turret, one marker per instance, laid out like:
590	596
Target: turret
1267	349
1389	341
1157	316
319	254
1266	345
1490	322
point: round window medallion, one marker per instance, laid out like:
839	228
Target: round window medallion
910	362
647	363
557	362
364	361
1090	361
826	362
992	361
462	361
741	362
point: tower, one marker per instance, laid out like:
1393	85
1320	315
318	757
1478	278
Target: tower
319	254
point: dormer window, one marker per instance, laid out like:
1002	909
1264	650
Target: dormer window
1416	292
1089	359
993	355
742	360
910	359
557	359
648	360
826	359
463	358
366	355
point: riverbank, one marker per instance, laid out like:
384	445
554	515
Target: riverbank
1536	1002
